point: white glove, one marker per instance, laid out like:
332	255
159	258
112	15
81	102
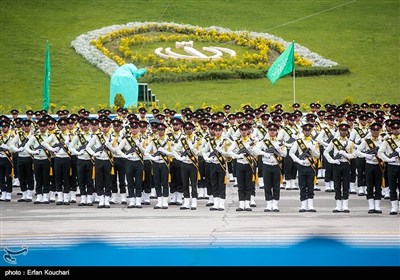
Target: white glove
80	153
4	146
206	158
398	150
179	158
343	153
276	146
313	149
162	150
369	157
266	155
109	145
304	162
35	153
153	158
240	156
20	149
97	154
336	161
393	159
219	149
125	155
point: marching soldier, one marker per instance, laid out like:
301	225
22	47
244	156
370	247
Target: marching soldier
148	183
73	184
357	135
324	138
373	168
186	151
41	162
159	151
6	161
58	143
85	163
176	186
130	148
246	166
99	147
389	152
289	134
272	154
202	134
258	135
343	151
119	163
304	152
214	152
25	161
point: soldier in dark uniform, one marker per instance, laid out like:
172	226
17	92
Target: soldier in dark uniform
186	151
246	166
272	154
25	161
176	185
305	151
41	162
118	179
214	152
130	148
158	151
6	162
99	147
58	143
85	163
343	152
389	152
373	167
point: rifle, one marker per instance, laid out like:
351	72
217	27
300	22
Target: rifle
185	153
57	145
40	147
373	151
131	150
305	154
330	138
101	148
23	143
394	154
83	147
290	140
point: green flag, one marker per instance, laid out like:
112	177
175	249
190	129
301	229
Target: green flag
283	65
46	78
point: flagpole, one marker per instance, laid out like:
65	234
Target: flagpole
294	78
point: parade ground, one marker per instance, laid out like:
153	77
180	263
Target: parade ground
26	224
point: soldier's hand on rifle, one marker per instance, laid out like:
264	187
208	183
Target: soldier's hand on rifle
343	153
368	157
80	153
21	149
336	161
393	159
219	149
240	156
4	146
398	150
153	158
97	154
303	162
35	153
109	145
180	158
266	155
162	150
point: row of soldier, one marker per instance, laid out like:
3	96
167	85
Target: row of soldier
190	157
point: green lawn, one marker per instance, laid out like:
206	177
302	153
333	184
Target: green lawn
362	35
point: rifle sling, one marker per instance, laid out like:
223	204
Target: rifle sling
135	147
303	148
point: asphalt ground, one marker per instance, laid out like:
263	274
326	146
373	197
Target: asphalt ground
50	225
